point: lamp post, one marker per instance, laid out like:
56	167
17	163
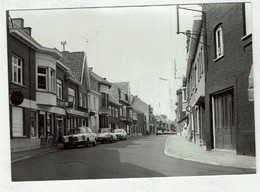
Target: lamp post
169	82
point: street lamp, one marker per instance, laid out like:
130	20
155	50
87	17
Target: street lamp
168	80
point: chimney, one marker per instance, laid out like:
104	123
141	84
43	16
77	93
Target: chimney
27	30
18	22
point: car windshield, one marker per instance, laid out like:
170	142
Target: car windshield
74	131
105	131
118	131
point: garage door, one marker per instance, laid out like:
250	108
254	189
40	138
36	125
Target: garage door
17	117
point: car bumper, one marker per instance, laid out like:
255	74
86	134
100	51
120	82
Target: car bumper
100	139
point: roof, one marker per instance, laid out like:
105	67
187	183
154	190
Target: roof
74	61
123	86
98	78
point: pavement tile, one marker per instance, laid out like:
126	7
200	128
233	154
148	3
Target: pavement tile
178	147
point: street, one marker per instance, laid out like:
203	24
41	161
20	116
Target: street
133	158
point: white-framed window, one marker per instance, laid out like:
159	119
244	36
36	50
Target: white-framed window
248	18
17	69
71	95
80	99
59	88
46	79
42	78
52	80
184	94
219	44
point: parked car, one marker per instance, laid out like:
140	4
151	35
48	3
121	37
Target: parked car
166	132
159	132
105	134
121	134
79	136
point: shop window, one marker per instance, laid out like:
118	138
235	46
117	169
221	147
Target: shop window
42	125
17	70
33	125
17	122
219	44
59	88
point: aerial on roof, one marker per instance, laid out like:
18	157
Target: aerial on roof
74	61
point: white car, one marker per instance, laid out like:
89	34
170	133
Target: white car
120	133
105	134
79	136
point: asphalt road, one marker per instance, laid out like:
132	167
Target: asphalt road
133	158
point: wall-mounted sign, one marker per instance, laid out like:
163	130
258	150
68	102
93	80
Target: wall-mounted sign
16	97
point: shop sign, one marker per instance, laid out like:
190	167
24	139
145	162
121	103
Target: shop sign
16	97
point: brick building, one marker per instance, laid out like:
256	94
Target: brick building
77	86
32	76
229	113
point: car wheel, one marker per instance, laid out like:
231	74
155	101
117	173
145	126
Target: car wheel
111	139
94	143
65	146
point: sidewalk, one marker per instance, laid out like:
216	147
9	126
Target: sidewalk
21	155
178	147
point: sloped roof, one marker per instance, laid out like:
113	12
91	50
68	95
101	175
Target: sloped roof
74	61
98	78
123	85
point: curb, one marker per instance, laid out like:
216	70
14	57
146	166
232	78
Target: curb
206	162
30	156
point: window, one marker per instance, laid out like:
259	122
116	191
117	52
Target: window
17	122
59	88
184	95
89	101
52	82
17	70
116	111
94	102
33	125
112	111
72	96
248	18
219	47
80	99
46	79
85	101
42	78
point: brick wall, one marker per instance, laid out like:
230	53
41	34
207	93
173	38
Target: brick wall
230	71
27	54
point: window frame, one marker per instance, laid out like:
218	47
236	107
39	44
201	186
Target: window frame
16	65
59	88
219	41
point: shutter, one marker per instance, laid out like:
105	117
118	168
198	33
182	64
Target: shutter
17	118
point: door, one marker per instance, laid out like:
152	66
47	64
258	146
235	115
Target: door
223	122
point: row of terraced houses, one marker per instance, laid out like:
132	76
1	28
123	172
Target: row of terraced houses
52	92
215	105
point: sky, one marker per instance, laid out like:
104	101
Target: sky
133	44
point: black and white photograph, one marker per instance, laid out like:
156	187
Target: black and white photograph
129	95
